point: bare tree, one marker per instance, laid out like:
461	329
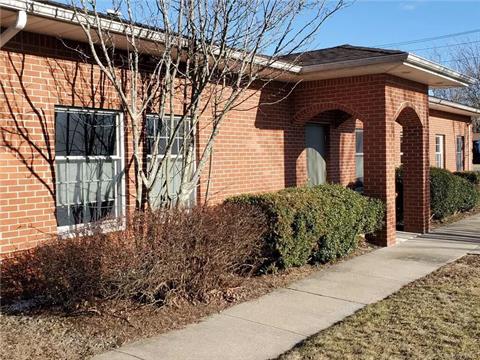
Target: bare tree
197	55
466	59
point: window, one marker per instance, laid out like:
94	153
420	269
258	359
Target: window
440	151
401	147
359	154
460	153
161	130
89	166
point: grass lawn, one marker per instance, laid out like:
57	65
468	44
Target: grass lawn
437	317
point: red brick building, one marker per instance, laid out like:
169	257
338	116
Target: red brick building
356	115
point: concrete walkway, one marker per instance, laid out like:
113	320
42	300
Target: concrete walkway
266	327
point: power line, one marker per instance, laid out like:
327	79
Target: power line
460	59
416	41
444	46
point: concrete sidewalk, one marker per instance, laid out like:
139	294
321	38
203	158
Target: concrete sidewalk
272	324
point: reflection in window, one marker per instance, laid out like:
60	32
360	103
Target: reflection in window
88	166
161	131
359	154
440	151
460	153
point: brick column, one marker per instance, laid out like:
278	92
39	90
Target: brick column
379	170
416	185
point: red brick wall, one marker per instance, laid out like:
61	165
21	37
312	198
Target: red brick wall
260	147
451	125
36	74
257	149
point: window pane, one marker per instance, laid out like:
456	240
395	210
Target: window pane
100	130
359	141
86	187
99	210
73	171
69	215
84	134
460	153
69	134
163	131
359	167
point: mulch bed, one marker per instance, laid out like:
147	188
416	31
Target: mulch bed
95	328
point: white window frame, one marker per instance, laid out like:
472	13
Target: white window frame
178	155
120	194
440	151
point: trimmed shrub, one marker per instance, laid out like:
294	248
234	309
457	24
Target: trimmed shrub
450	194
471	176
319	223
160	255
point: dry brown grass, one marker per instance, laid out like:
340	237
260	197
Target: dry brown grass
437	317
95	329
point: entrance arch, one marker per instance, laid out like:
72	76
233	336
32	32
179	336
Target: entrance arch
416	185
330	138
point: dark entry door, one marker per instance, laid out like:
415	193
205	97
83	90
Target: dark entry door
316	144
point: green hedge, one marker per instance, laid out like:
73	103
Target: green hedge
471	176
450	194
318	223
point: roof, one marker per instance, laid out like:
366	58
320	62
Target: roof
339	53
59	20
452	107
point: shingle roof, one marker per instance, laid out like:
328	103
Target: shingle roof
339	53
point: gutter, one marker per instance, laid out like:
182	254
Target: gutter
454	107
13	30
419	62
67	14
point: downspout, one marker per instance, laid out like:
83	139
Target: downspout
14	29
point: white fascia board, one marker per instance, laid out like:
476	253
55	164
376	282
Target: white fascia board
453	107
439	70
58	13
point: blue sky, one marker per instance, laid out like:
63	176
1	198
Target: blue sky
379	22
374	23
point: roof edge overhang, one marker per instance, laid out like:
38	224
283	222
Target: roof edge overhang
403	65
452	107
439	70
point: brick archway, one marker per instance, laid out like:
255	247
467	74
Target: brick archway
305	114
341	122
377	100
416	186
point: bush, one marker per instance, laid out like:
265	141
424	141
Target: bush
318	223
471	176
450	194
159	255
